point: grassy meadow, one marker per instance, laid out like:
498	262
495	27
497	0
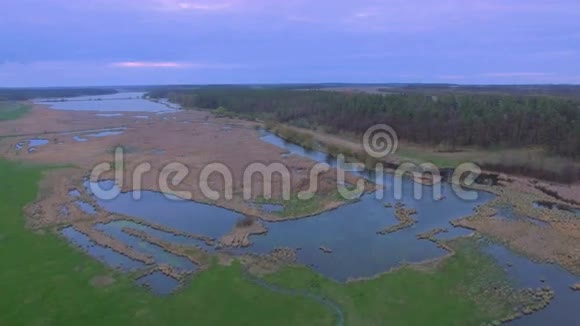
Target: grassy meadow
47	281
13	110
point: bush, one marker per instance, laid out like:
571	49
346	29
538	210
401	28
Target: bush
291	135
534	165
245	221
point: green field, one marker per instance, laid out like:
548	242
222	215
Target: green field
449	294
46	281
12	110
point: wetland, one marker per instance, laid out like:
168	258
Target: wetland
166	245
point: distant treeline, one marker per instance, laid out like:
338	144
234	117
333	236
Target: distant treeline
447	120
21	94
569	91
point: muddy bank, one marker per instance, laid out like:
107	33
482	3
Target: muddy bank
158	141
275	260
325	250
197	144
431	234
209	241
555	242
239	237
403	215
286	255
160	281
105	241
195	254
565	195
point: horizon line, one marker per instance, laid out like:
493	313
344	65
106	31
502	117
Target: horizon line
297	83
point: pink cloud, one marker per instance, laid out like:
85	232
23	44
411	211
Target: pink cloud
146	64
186	5
173	65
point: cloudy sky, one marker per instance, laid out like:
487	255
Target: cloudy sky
122	42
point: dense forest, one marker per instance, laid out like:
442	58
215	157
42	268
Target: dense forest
21	94
568	91
485	120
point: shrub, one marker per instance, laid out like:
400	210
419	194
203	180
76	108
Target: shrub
245	221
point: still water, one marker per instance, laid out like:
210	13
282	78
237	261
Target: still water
120	102
349	231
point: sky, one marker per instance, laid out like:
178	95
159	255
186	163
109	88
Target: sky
141	42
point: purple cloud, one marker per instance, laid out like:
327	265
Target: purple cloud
293	40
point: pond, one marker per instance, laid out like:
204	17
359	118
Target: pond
32	144
120	102
159	255
86	207
349	232
106	255
159	283
563	310
183	215
507	212
85	135
556	206
109	115
117	226
106	133
74	193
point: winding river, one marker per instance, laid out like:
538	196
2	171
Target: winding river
350	232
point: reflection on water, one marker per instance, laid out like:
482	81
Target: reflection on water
161	256
187	216
158	234
507	212
349	231
159	283
106	255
